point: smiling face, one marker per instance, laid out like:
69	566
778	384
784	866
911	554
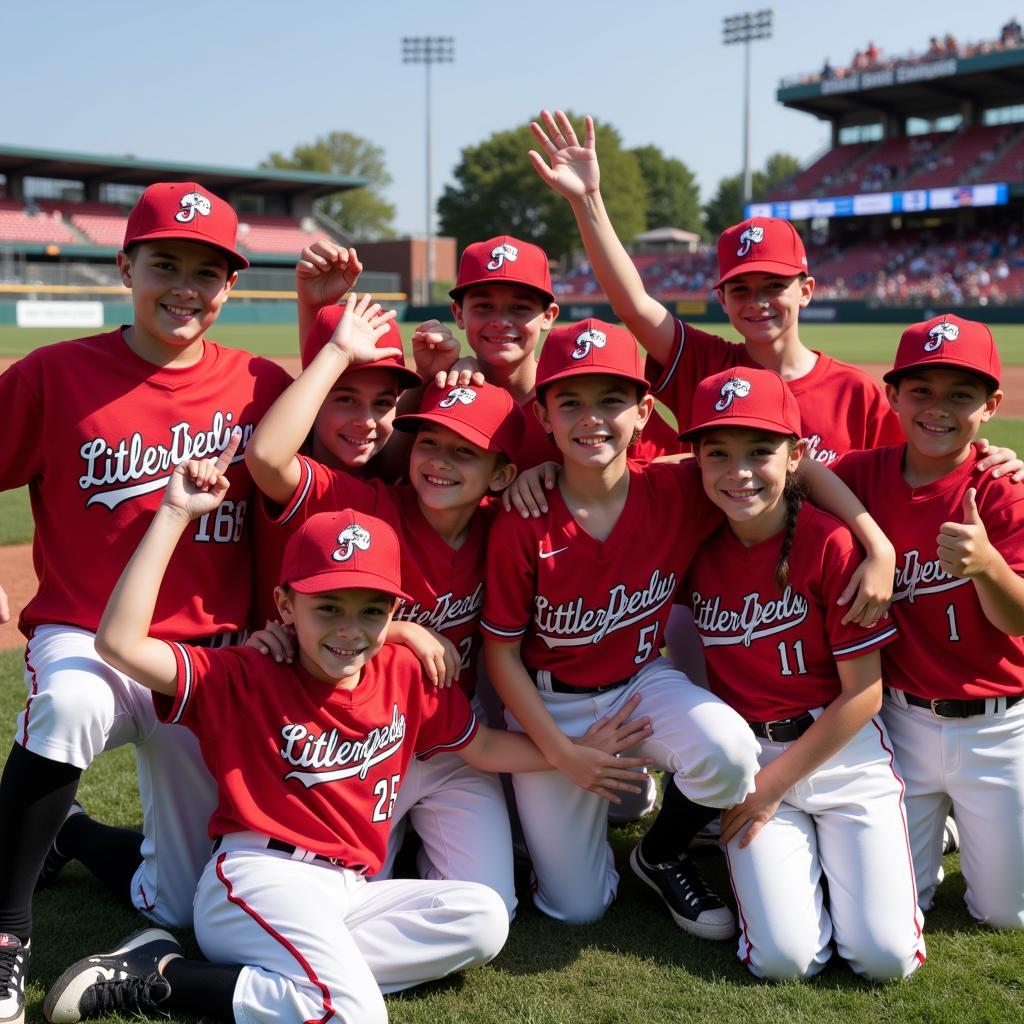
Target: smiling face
503	322
450	473
941	410
338	631
744	473
765	308
178	289
356	418
593	417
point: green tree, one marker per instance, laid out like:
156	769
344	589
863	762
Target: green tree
726	206
673	198
497	192
363	212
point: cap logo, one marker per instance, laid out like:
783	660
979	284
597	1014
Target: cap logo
591	338
751	236
464	395
940	333
500	253
351	538
735	387
191	204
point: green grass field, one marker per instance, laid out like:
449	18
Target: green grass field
635	966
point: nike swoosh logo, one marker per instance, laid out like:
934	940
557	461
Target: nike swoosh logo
548	554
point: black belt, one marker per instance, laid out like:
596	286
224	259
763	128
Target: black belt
950	708
558	686
282	847
784	730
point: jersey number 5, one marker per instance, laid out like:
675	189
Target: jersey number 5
645	644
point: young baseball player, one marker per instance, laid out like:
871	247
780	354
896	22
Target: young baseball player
955	676
95	428
503	301
573	616
307	779
828	802
465	441
352	425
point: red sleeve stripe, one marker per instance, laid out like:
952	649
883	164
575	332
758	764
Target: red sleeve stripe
670	371
509	634
184	681
457	744
301	492
874	640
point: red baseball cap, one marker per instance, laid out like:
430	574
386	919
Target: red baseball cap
504	260
484	414
185	210
344	550
950	341
324	326
744	397
587	347
760	245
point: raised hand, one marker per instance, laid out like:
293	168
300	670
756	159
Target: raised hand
325	272
964	548
434	348
574	171
362	323
199	485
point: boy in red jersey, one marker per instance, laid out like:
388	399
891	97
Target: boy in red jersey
955	676
503	300
307	780
95	427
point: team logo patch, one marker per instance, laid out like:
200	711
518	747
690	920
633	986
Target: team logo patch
191	204
735	387
467	396
939	334
349	540
500	253
752	235
588	340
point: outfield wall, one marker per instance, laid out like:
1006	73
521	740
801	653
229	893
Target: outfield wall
823	311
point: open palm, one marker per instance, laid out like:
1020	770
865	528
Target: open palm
574	171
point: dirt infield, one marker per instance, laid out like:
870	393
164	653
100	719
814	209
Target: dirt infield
18	577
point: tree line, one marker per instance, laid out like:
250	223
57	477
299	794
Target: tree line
495	191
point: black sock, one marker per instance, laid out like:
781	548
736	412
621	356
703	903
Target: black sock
206	990
112	854
678	821
35	797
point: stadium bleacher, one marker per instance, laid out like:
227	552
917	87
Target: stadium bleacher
17	224
272	234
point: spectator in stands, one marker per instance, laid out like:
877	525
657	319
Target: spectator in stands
950	45
871	55
1011	33
934	47
827	71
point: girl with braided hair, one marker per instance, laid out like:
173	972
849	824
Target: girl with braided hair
827	803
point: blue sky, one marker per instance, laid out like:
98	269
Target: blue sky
229	83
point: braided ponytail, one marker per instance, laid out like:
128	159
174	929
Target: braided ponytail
793	495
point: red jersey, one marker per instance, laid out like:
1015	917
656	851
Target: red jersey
947	647
593	612
658	438
773	654
842	408
96	431
305	761
446	583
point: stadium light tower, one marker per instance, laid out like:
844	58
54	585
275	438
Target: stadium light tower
745	28
428	51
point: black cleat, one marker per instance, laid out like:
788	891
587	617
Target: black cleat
126	979
693	904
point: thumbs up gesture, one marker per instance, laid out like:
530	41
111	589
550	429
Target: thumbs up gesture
964	548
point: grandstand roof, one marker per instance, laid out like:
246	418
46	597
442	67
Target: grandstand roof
132	170
909	88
